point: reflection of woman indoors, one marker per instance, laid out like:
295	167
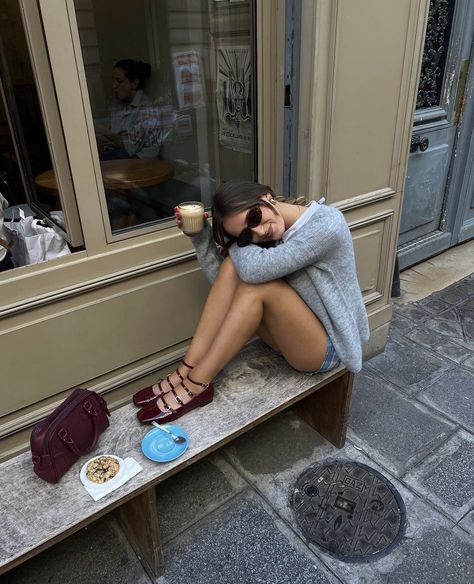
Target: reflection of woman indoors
136	131
137	127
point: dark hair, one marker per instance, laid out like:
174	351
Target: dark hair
134	70
232	197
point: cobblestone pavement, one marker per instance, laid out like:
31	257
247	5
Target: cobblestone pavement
228	518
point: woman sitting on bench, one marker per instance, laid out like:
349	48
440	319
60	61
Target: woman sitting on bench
288	276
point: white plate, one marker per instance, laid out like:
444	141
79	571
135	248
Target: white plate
87	483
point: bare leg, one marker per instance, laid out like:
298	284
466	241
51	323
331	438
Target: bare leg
299	335
296	331
215	311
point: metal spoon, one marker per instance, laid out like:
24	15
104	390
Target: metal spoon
177	439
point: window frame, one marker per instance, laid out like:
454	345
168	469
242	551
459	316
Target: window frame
262	14
36	42
156	246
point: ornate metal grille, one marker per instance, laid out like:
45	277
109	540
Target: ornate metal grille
438	32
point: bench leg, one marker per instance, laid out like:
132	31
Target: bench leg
327	409
139	521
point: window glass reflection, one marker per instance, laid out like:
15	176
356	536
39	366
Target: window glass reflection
28	188
173	106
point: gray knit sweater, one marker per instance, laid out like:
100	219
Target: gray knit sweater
318	263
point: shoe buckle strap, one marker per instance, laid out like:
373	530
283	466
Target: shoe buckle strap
189	392
203	385
179	401
168	408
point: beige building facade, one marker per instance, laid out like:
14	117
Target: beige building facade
119	311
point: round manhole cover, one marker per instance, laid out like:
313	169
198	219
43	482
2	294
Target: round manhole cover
349	509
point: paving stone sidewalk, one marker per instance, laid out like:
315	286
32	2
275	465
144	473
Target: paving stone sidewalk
228	518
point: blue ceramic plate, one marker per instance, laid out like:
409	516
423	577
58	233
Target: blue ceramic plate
160	446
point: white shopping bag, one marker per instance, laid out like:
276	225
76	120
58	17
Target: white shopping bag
33	242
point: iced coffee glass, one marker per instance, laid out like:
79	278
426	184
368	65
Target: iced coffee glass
192	216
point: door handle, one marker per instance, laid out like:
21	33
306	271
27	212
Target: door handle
417	142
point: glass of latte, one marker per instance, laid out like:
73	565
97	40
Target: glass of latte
192	216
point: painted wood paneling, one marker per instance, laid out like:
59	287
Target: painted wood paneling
371	40
103	331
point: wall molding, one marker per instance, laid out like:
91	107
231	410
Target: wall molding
365	199
26	421
94	284
382	215
372	297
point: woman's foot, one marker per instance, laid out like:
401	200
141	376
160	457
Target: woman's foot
149	394
177	402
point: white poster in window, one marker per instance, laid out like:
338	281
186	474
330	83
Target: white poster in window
187	73
234	98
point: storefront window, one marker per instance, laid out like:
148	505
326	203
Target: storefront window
28	186
173	107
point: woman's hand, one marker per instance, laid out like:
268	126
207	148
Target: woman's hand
179	221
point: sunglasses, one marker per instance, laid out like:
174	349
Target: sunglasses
254	218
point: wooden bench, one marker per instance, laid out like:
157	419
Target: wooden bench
256	385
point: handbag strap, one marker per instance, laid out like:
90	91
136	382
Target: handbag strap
64	436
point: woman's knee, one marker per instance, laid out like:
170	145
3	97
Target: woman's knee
228	269
262	290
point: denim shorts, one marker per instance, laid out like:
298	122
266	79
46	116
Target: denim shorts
331	360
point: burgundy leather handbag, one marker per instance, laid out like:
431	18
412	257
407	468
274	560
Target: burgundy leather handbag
70	431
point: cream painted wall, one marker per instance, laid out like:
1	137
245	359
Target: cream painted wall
365	57
116	316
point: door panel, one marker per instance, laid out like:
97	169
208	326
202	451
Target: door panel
370	242
464	179
429	206
464	228
359	134
372	230
425	185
